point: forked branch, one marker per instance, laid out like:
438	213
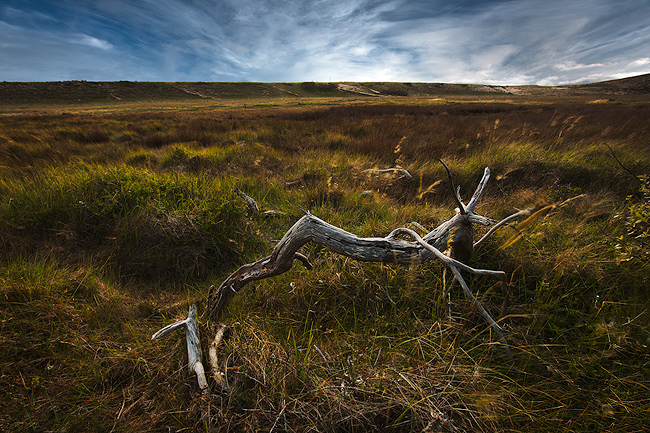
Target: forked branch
454	265
455	235
194	354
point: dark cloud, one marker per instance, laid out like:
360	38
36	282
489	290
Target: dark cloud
490	41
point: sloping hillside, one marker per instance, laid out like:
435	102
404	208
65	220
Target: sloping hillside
639	85
12	93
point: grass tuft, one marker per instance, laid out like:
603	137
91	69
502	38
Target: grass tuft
144	225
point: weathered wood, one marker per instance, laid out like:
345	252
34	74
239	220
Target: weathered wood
254	208
250	201
272	213
454	265
477	193
194	354
500	224
217	374
454	235
403	172
310	228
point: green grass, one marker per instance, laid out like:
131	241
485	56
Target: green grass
143	225
114	220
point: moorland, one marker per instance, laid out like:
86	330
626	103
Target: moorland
119	209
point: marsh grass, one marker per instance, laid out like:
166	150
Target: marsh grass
143	225
113	221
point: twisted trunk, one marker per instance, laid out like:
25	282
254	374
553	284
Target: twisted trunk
454	235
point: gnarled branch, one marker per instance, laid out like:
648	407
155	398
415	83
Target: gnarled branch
454	235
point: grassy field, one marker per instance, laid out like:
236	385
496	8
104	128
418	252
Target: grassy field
116	217
63	93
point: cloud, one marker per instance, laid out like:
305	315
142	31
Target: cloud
640	62
93	42
571	65
488	41
527	42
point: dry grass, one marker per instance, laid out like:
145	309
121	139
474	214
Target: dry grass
114	219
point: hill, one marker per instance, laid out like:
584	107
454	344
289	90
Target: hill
16	93
639	85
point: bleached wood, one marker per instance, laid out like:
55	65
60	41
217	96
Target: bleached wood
217	373
454	265
252	203
272	213
169	329
194	354
389	249
255	208
404	172
310	228
479	190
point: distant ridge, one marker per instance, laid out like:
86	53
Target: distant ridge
12	93
638	85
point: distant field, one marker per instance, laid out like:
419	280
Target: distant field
118	210
75	92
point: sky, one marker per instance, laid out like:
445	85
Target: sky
543	42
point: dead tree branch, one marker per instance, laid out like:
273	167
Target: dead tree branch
217	374
194	354
254	208
454	235
500	224
250	201
403	172
454	265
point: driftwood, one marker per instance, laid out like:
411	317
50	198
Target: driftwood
454	236
194	354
